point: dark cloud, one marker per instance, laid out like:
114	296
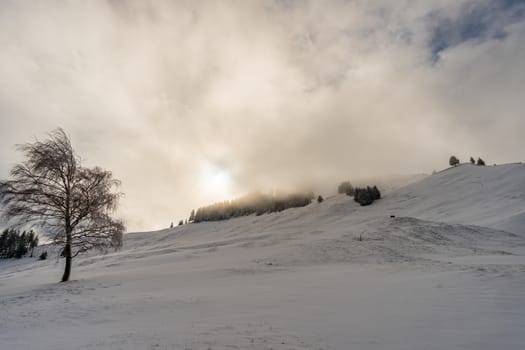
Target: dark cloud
175	95
476	21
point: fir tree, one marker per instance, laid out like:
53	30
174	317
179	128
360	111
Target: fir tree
21	246
346	187
33	241
375	193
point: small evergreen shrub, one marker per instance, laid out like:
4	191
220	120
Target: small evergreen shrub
366	196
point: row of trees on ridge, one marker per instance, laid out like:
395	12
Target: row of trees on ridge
255	203
454	161
14	244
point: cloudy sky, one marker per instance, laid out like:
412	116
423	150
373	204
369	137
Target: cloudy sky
190	102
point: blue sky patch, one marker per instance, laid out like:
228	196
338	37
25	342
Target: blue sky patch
477	21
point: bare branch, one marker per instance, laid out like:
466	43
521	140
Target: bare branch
51	189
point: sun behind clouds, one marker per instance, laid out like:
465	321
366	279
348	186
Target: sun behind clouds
215	181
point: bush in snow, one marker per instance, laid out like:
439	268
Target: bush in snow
472	160
320	199
43	256
481	162
453	161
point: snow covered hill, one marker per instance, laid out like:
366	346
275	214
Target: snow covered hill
447	272
492	196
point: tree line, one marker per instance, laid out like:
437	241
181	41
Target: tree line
14	244
255	203
260	203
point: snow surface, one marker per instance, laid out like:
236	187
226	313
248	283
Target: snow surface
447	272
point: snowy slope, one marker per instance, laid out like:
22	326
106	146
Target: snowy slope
448	272
492	196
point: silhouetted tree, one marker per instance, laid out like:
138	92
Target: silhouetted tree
481	162
3	243
366	196
51	188
181	223
33	241
363	196
320	199
453	161
472	160
21	246
192	216
375	193
345	187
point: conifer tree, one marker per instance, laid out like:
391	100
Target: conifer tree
33	241
453	161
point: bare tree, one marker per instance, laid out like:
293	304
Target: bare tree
51	189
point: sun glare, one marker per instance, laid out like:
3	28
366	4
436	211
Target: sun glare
215	181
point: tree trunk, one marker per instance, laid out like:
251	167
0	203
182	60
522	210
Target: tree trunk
67	254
